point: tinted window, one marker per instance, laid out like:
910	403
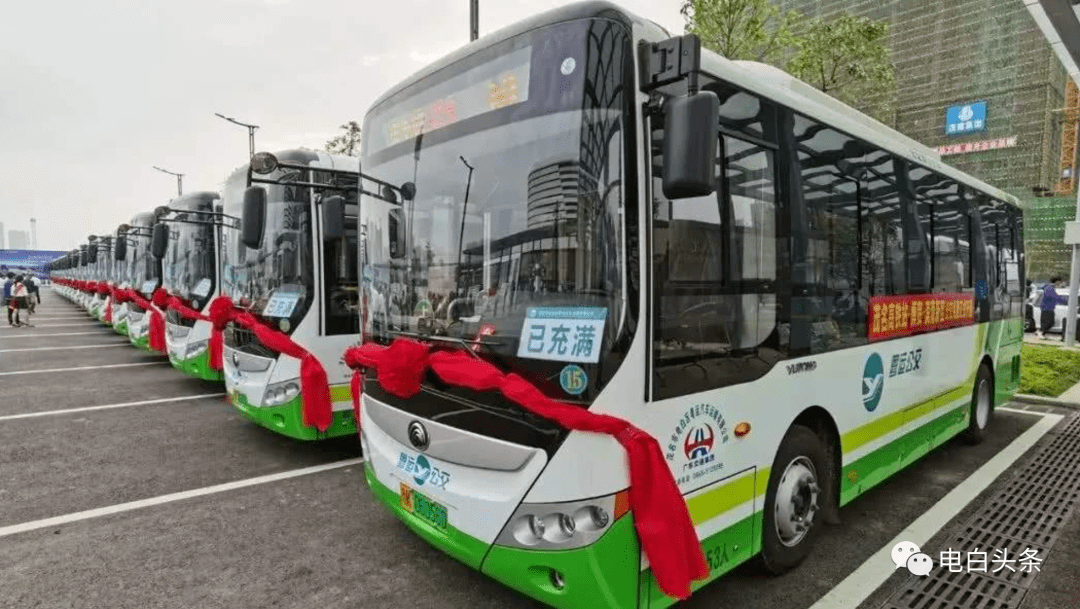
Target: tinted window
714	277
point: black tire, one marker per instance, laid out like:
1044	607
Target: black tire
977	428
801	451
1029	324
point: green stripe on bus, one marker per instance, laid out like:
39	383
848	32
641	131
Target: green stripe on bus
891	422
876	466
340	393
724	497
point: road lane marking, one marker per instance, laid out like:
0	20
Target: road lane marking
164	361
29	415
44	523
32	335
126	343
89	322
861	583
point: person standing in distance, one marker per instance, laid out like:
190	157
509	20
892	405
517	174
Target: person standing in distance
9	283
1050	300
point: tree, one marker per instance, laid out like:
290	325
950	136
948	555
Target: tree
346	143
846	57
843	55
742	29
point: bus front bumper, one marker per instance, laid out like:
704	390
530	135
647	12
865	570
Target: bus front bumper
287	419
197	366
605	574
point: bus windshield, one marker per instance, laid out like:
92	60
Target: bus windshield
144	269
515	231
188	267
276	280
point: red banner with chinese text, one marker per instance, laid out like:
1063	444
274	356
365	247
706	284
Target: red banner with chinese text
892	316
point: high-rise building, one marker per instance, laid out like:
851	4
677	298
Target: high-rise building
976	80
18	240
2	241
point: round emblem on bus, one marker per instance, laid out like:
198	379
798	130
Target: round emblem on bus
418	435
873	382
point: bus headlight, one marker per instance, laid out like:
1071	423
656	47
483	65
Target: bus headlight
195	348
280	393
563	526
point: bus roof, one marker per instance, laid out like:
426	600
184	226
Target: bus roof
763	79
303	156
570	12
195	200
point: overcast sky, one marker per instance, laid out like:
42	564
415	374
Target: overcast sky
93	93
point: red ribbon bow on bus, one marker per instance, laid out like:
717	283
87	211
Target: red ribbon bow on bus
314	384
661	517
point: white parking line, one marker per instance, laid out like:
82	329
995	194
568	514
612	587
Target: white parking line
30	415
126	343
84	368
161	499
861	583
88	322
34	335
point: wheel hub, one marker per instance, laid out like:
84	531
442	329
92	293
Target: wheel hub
796	501
982	405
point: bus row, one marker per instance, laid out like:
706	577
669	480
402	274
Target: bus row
611	314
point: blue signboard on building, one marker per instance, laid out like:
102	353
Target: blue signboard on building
962	119
32	260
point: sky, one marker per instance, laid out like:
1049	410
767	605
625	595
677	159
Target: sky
95	93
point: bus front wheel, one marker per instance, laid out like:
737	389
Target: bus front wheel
982	406
794	500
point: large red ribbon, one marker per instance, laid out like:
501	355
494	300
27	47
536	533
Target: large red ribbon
160	300
661	517
183	310
314	385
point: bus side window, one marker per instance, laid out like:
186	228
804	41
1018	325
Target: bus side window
714	273
952	244
830	302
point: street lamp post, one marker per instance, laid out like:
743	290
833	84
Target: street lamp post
179	179
251	132
474	19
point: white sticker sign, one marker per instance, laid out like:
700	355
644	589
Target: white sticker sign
281	304
202	289
565	334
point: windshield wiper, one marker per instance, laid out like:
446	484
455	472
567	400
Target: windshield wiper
466	345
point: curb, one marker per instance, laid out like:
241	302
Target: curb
1044	401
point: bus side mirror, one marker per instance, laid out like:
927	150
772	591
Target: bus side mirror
120	249
333	217
92	254
160	240
691	133
253	220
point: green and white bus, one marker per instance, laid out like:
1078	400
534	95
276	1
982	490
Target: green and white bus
793	299
143	272
291	275
188	242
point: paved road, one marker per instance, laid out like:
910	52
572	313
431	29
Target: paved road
316	540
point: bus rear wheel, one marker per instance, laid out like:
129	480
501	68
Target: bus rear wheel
982	406
794	500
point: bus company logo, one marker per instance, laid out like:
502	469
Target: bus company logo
873	382
423	471
699	432
698	442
